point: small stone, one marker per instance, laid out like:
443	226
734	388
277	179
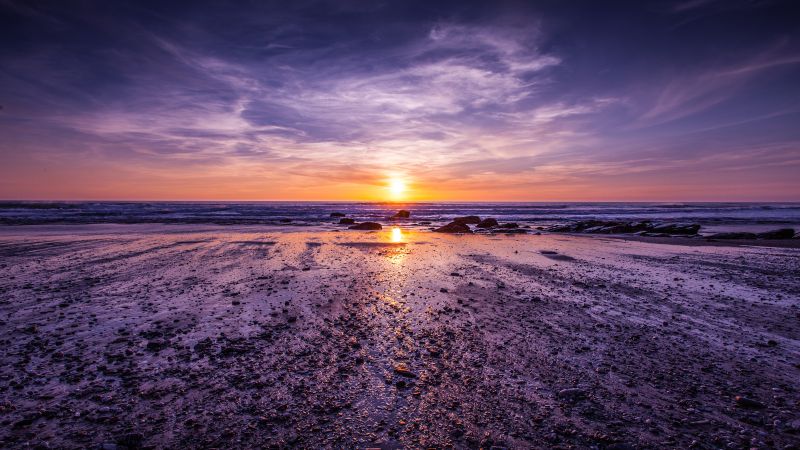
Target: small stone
572	393
488	223
366	226
453	227
403	370
744	402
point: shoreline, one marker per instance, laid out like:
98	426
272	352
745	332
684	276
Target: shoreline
292	228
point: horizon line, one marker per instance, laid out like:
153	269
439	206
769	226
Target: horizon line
389	201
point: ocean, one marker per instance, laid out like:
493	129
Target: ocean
713	216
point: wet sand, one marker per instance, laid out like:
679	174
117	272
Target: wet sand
241	337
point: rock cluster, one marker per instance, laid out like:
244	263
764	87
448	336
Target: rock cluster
645	228
461	225
453	227
468	220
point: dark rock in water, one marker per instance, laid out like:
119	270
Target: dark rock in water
732	236
338	214
366	226
676	228
453	227
286	220
467	220
783	233
347	221
402	214
509	225
614	227
488	223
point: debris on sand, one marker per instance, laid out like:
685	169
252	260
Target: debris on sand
572	394
403	370
749	403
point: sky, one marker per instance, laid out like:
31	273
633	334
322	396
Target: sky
649	100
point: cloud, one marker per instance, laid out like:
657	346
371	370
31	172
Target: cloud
351	93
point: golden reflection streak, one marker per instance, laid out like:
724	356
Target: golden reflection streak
398	252
397	234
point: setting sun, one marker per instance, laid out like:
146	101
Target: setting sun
397	188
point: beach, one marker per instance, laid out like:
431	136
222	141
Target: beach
129	336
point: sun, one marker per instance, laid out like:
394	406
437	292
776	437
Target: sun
397	188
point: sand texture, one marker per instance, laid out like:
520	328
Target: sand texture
240	337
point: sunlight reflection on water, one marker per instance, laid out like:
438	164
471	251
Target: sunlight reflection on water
397	234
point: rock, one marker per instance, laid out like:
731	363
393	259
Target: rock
347	221
749	403
571	394
620	446
130	441
615	227
402	214
732	236
453	227
676	228
366	226
403	370
467	220
509	225
285	220
783	233
488	223
338	214
156	345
